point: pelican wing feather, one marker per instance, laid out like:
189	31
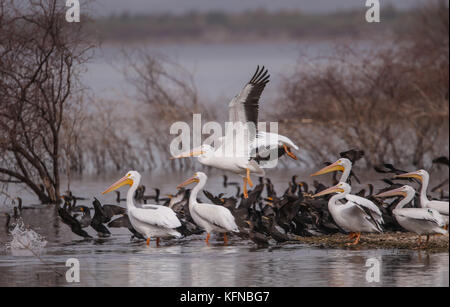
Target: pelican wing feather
155	215
245	106
369	205
429	215
217	215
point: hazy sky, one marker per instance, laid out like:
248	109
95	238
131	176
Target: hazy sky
179	6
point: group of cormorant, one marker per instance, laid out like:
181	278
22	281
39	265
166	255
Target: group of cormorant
265	216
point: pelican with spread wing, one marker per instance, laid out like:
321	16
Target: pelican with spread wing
244	150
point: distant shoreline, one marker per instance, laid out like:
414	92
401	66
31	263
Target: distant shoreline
251	26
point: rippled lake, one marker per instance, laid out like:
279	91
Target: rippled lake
116	261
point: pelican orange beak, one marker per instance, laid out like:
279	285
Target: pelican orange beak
334	189
188	182
121	182
330	168
391	193
414	175
192	153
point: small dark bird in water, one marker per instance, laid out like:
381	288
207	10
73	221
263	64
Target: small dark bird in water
274	232
258	238
103	214
124	221
73	223
10	223
442	160
118	199
387	168
353	155
270	189
68	203
19	204
226	183
86	218
106	212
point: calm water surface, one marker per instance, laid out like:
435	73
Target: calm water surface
116	261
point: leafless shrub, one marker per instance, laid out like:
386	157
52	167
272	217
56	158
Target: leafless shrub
165	94
133	132
41	56
391	102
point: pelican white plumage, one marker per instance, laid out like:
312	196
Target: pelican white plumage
243	150
345	166
351	217
422	221
212	218
441	206
153	221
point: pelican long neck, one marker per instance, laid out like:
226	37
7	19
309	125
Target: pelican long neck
423	191
195	190
334	199
130	194
346	174
405	200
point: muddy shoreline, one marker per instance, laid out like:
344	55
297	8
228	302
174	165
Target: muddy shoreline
389	240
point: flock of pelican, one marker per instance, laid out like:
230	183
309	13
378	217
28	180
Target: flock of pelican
352	213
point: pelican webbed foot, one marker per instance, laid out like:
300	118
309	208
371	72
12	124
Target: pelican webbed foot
357	236
352	235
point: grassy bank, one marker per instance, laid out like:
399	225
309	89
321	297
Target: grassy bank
389	240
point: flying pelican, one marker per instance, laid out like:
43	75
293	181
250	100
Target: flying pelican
419	220
208	216
345	166
424	178
351	217
251	149
153	221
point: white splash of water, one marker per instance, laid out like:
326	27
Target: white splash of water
25	241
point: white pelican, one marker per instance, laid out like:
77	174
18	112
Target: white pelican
250	149
345	166
212	218
153	221
424	178
351	217
423	221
